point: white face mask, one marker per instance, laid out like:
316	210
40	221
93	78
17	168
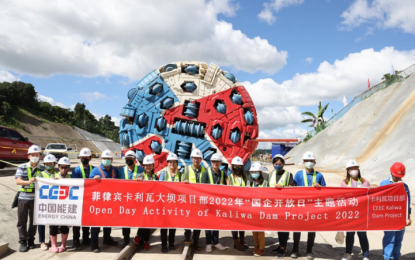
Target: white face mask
309	165
34	159
354	173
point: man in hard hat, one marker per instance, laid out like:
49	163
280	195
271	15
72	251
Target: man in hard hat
392	240
171	173
195	173
308	177
104	171
25	178
218	178
82	172
129	172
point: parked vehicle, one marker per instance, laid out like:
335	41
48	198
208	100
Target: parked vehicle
13	146
59	150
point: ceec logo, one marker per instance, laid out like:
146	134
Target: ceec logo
58	192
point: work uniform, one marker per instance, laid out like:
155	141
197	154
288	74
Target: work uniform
82	172
392	240
237	181
41	228
305	179
26	203
259	237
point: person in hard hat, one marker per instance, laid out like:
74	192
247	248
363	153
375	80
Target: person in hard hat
238	178
129	172
64	165
195	173
392	240
258	181
218	178
25	177
280	178
354	179
82	172
308	177
104	171
171	173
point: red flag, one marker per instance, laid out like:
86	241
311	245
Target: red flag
368	83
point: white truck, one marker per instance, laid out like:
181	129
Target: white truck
59	150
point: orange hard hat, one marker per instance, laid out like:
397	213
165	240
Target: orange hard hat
398	170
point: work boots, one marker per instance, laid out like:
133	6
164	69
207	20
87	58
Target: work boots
237	245
245	245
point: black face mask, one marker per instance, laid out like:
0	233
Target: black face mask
84	161
129	162
237	170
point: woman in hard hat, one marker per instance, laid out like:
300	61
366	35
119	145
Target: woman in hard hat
354	179
392	240
258	181
64	164
143	234
238	178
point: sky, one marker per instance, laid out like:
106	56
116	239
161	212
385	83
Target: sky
289	54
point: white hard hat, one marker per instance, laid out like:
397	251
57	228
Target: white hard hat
85	152
278	156
149	159
351	163
256	167
129	154
237	161
216	157
196	153
106	154
64	161
34	149
172	157
309	156
49	158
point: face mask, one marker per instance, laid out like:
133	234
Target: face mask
49	167
309	165
354	173
84	161
278	167
237	170
34	159
129	162
255	175
106	163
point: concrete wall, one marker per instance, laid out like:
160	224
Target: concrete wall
101	142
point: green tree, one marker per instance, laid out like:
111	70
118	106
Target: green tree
319	118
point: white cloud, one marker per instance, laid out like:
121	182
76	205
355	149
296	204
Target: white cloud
381	13
309	60
50	101
116	120
6	76
288	132
278	116
267	14
127	38
72	107
93	96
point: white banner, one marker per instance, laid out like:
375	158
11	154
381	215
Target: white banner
57	200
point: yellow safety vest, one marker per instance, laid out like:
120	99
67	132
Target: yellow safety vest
29	176
45	174
235	182
306	180
153	177
285	178
210	171
359	183
83	171
126	172
264	184
192	175
167	176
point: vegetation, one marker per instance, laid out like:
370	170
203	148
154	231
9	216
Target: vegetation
20	94
317	121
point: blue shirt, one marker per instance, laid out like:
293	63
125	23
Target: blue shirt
77	173
389	181
107	173
299	179
121	174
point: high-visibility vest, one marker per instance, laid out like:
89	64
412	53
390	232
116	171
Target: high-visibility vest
210	171
102	172
153	176
126	172
359	183
285	178
235	181
192	174
306	180
43	174
68	176
29	176
83	171
167	176
264	184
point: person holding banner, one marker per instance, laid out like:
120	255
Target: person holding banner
280	178
170	174
258	181
307	178
64	165
82	171
195	173
354	179
104	171
129	172
25	178
392	240
219	178
238	178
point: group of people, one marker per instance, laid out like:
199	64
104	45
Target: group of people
142	169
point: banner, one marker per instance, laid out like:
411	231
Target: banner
158	204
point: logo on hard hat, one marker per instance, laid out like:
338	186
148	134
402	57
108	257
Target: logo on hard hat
48	157
197	153
84	152
106	153
34	148
352	162
148	160
238	159
309	155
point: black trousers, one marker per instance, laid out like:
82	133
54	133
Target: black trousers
283	238
95	234
144	233
77	233
310	240
53	230
235	234
25	209
172	234
196	235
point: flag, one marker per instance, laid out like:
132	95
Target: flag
345	101
368	83
392	70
